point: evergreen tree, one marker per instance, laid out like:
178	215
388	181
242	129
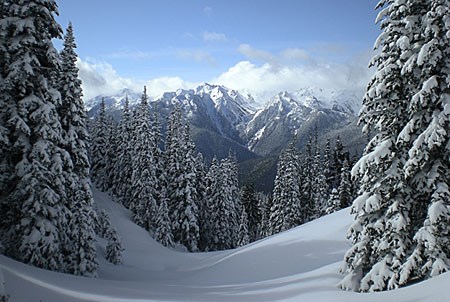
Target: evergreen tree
208	212
244	238
112	139
163	233
401	230
286	204
319	186
334	203
33	214
345	187
327	165
425	136
123	164
81	239
308	178
181	177
99	146
114	247
264	205
144	182
250	204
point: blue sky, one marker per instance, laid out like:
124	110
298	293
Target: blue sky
283	44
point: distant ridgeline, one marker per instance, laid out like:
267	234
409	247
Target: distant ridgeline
222	119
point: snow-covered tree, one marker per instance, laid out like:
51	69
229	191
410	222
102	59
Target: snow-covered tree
33	211
123	162
401	228
114	247
425	137
80	243
144	182
181	177
286	208
250	203
345	187
243	238
163	233
333	204
99	146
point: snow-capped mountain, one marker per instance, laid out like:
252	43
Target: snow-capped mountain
292	116
223	119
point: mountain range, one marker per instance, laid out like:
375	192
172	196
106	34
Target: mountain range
223	119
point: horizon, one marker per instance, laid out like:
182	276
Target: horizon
281	46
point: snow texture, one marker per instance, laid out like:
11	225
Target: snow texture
301	264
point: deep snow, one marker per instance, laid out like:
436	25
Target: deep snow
298	265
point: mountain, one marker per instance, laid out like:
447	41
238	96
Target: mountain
288	117
222	119
301	264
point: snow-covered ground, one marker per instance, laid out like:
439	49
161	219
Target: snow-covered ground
298	265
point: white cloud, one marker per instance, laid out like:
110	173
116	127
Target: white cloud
295	54
214	37
264	81
253	53
289	70
100	78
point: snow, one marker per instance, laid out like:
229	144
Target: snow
301	264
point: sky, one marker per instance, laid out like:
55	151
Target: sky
259	47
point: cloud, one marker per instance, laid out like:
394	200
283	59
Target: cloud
264	81
100	78
197	55
253	53
295	54
214	37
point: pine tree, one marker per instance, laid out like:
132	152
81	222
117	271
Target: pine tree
81	239
426	138
308	178
286	204
334	203
264	205
99	146
163	233
123	164
345	187
181	177
144	181
33	211
207	214
319	186
112	139
327	165
114	247
244	238
250	204
401	223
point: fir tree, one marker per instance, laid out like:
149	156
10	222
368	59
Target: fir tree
33	211
163	233
250	204
244	238
425	136
114	247
123	164
333	204
181	178
99	146
345	187
401	229
144	181
81	239
286	204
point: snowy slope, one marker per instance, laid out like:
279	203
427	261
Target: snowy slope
298	265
